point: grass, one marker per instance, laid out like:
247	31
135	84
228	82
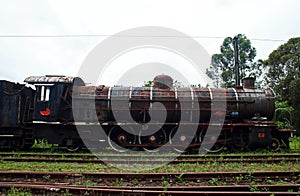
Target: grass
295	143
18	192
180	168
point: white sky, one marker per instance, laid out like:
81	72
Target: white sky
22	57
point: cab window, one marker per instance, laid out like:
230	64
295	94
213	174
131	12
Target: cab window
44	93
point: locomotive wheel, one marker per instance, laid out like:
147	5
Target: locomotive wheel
180	142
239	141
219	144
154	140
275	145
72	148
118	139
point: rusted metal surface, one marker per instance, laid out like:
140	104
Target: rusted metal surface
51	79
16	100
191	176
140	105
249	82
237	183
258	103
54	189
163	82
239	103
153	161
137	157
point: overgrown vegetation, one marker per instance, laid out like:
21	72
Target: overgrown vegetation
281	72
41	143
283	115
18	192
283	75
180	168
295	143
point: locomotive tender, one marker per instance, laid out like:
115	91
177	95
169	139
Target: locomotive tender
64	111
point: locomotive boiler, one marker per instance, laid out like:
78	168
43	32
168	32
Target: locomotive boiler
65	111
247	113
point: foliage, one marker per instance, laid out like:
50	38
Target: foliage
117	182
283	104
295	102
179	177
224	62
283	75
19	192
283	67
150	83
41	143
165	183
295	143
47	177
283	115
180	168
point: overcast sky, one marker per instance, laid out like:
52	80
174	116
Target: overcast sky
267	23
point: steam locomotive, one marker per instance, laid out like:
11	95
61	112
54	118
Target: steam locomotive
64	111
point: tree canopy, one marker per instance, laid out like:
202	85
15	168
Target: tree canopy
282	70
222	65
283	75
284	67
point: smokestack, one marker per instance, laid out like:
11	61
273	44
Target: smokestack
249	82
236	61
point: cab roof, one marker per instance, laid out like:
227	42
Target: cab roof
53	79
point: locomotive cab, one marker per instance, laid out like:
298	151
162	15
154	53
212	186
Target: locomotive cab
52	115
52	102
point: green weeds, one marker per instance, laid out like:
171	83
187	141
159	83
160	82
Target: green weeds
180	168
117	182
294	143
18	192
179	177
47	177
165	183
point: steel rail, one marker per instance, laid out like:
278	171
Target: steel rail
90	155
243	187
124	191
295	175
150	161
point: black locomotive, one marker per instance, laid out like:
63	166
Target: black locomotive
64	111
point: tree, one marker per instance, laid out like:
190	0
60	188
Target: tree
222	65
150	83
283	67
283	75
295	102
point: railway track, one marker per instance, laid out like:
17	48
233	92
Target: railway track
132	159
200	183
152	191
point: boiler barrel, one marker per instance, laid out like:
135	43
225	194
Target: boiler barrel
183	104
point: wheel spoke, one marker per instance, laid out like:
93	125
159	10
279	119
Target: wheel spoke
219	141
240	141
275	145
179	141
117	139
154	140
